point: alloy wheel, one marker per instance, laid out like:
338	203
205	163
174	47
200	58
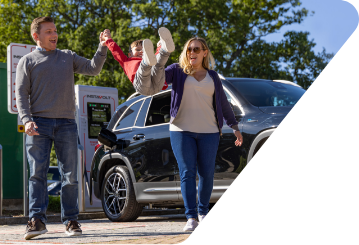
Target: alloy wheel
115	194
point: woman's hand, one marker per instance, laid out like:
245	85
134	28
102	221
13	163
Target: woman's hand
239	140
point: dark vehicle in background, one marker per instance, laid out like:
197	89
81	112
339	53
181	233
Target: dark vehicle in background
144	171
53	181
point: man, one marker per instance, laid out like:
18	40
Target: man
46	102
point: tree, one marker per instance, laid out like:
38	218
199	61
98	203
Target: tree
79	24
234	30
303	65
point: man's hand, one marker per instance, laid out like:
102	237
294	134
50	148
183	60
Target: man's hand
239	140
102	39
30	129
104	36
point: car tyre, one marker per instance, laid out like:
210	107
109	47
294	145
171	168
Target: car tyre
118	196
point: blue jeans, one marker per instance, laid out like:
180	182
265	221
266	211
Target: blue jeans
192	151
63	132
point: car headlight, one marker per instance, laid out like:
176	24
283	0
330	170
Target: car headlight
52	186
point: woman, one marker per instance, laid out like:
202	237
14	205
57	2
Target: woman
198	106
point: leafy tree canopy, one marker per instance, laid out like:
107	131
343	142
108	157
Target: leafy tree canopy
234	30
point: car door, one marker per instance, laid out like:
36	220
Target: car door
124	130
155	165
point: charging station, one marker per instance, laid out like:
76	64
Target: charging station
94	109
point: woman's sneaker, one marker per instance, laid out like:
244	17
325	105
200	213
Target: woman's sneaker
34	228
148	54
190	225
201	217
167	43
73	228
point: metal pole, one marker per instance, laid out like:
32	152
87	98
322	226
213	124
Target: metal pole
26	180
1	191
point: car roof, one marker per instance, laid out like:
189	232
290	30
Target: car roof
261	80
136	95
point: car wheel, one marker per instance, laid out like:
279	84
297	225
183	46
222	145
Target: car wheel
118	196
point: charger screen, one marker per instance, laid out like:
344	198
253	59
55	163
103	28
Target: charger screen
99	116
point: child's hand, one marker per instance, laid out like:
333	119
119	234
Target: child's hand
159	43
104	36
107	34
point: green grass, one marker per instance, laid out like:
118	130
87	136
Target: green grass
54	204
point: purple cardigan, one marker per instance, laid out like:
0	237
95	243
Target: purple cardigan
176	77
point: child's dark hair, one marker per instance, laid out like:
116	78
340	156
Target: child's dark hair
135	44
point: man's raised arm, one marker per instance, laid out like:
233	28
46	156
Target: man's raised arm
91	67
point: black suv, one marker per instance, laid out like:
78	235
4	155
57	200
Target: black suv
143	171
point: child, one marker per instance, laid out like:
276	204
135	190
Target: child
141	58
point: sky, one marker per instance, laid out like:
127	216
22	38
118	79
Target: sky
330	26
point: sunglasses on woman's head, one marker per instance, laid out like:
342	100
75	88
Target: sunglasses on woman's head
197	50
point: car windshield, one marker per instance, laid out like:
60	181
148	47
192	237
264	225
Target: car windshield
268	93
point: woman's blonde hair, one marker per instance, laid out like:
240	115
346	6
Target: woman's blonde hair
208	61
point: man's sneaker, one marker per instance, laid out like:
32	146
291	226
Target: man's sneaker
34	228
190	225
148	55
201	217
167	43
73	228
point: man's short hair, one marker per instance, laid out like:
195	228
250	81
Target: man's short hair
36	24
135	44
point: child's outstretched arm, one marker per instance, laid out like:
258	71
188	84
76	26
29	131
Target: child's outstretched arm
114	48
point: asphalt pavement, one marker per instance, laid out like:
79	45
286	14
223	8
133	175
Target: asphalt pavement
161	229
167	229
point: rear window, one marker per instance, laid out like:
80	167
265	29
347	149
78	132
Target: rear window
118	113
268	93
128	119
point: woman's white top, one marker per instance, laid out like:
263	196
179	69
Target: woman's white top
196	113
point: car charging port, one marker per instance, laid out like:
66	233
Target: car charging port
110	141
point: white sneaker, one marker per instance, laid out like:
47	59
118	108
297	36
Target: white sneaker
201	217
167	43
148	55
190	225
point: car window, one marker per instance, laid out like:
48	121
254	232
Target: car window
118	113
233	104
129	117
159	111
140	122
268	93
